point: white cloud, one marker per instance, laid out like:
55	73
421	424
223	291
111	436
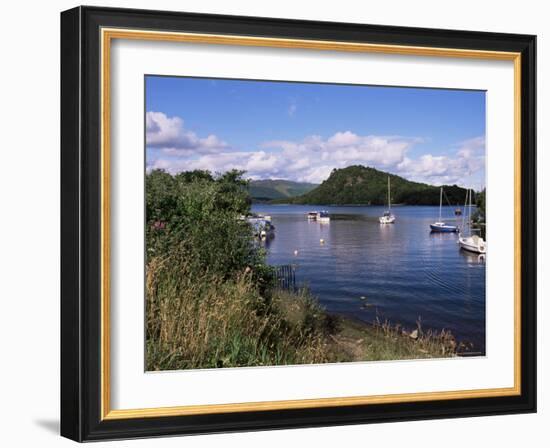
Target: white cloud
468	160
169	135
311	159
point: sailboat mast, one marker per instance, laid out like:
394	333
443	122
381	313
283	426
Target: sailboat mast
440	202
470	213
389	197
465	210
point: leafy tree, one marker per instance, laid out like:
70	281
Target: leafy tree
478	217
201	215
480	202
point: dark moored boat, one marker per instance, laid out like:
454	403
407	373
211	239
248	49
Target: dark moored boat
440	226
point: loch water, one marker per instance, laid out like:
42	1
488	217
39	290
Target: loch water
399	272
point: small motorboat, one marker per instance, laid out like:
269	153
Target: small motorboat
261	228
440	226
319	216
323	216
458	211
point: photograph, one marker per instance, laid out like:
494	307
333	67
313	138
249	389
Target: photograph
291	223
294	221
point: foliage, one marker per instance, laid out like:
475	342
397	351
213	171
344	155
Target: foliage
358	184
479	215
209	298
200	215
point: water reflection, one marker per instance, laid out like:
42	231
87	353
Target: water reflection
473	258
403	270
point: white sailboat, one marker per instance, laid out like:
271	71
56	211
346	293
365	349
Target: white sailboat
387	217
471	243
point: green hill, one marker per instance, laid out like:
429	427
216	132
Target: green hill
269	189
358	184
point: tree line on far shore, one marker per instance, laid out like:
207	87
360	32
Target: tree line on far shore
360	185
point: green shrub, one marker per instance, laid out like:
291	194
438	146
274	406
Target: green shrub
202	215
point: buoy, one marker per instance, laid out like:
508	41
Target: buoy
322	241
296	252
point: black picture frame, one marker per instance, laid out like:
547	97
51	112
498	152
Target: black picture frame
81	224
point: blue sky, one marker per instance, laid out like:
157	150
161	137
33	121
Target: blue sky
301	131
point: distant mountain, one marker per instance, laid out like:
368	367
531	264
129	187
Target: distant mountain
358	184
269	189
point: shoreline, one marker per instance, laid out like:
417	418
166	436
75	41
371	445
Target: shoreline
350	205
351	339
416	337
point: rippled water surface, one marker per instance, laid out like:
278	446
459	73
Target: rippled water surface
398	272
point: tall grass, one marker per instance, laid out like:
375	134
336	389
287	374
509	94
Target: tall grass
201	320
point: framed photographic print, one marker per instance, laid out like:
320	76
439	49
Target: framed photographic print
276	224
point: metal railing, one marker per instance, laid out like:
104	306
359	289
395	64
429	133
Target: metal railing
286	276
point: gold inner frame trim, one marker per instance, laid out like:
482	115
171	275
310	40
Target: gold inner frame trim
107	35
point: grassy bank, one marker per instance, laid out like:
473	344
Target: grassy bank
208	321
386	342
212	322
